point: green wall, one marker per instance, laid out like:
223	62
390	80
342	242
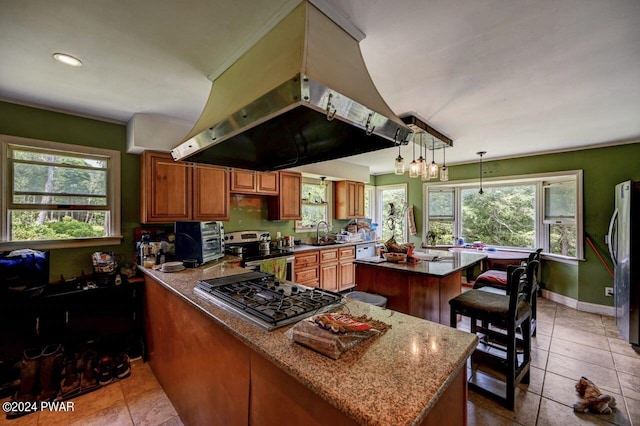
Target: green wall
603	169
27	122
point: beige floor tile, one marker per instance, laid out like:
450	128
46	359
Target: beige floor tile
526	406
609	322
174	421
117	414
620	346
585	353
140	381
544	327
583	336
84	406
562	390
627	364
630	385
151	408
539	358
605	378
580	325
634	410
536	379
541	341
553	414
480	416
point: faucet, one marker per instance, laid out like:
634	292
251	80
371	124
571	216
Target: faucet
326	234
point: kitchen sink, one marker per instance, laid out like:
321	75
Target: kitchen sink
324	243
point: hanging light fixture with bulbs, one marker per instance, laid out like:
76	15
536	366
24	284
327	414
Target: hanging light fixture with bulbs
323	181
481	153
399	164
414	167
422	163
444	171
433	167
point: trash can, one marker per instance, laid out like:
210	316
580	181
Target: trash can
373	299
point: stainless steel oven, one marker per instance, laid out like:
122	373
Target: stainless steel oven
202	241
250	245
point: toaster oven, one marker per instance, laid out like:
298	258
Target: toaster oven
202	241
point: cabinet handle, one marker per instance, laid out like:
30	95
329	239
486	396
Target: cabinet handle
66	318
37	325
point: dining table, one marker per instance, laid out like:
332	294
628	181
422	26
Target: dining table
496	259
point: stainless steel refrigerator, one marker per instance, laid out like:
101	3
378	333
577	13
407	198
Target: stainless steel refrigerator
624	247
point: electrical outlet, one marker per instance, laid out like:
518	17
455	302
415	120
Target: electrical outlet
608	291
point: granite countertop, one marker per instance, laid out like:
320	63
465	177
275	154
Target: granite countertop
396	380
446	264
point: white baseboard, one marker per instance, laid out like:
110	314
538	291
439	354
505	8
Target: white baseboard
580	306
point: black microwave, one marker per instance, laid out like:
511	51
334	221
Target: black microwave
202	241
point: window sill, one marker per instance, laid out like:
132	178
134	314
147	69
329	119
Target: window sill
61	244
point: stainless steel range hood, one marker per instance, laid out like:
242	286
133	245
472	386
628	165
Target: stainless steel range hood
300	95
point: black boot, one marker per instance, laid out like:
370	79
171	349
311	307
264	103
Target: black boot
29	373
89	380
70	384
50	368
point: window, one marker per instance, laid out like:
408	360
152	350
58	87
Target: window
516	212
392	208
369	202
58	195
315	202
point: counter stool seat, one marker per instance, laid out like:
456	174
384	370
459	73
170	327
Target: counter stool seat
501	316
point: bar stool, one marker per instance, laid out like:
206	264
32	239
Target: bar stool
498	279
501	316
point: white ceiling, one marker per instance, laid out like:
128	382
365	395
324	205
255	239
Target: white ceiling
510	77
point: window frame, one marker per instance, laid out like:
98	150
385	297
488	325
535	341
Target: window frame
329	202
113	227
541	225
380	207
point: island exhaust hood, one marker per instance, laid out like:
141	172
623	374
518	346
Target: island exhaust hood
300	95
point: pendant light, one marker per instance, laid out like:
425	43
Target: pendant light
399	165
433	167
422	163
444	171
414	167
481	153
323	181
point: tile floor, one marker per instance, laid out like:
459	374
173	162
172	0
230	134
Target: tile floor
136	400
569	344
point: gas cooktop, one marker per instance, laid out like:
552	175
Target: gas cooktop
264	300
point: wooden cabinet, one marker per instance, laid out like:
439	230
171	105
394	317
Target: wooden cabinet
172	191
346	267
252	182
349	199
306	268
329	269
287	205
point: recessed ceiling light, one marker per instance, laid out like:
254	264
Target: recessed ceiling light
67	59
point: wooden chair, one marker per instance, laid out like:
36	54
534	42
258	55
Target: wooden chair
498	279
501	316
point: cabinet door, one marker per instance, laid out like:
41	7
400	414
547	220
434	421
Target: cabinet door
359	200
307	276
347	275
268	183
351	200
329	276
306	259
243	181
329	255
210	193
165	188
287	205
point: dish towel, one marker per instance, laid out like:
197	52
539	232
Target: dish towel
412	221
277	267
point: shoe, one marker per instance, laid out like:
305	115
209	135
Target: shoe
27	391
70	384
50	369
121	366
88	381
105	370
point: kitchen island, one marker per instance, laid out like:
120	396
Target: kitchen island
218	368
422	289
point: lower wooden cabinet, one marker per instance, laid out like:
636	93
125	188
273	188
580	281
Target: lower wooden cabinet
347	269
330	268
306	268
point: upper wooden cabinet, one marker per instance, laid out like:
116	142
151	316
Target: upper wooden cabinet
252	182
288	204
349	199
172	191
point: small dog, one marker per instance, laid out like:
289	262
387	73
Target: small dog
592	399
